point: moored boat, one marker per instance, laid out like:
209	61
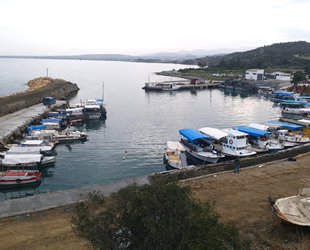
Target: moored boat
231	142
199	146
27	160
19	178
259	139
171	87
294	133
174	155
66	135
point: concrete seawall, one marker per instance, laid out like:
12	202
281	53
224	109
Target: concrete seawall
59	89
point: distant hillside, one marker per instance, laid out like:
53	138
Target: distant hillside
294	55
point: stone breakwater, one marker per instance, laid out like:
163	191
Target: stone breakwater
38	89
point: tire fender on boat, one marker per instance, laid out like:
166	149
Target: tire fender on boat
18	180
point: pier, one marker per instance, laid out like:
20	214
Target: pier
184	85
15	123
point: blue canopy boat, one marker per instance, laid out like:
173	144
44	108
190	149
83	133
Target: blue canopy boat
279	96
298	133
260	139
199	146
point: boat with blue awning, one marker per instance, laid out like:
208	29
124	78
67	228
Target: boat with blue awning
231	142
291	132
278	96
260	139
199	146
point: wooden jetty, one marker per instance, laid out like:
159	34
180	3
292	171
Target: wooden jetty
184	84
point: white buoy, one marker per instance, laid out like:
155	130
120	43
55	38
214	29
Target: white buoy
124	158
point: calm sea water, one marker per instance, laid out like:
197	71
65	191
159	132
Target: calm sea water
138	122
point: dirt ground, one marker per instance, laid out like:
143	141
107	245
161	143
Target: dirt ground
240	200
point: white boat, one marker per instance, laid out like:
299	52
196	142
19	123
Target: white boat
32	143
44	150
93	109
174	155
19	178
293	209
171	87
74	115
199	146
285	135
296	111
259	139
231	142
26	160
66	135
274	143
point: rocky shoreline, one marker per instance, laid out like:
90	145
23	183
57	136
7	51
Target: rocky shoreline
38	89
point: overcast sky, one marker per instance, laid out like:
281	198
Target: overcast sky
138	27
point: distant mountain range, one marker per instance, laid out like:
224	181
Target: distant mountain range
156	57
279	55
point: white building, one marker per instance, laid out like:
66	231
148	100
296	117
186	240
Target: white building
254	74
281	76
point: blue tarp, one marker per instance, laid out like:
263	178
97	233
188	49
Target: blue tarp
304	97
286	125
252	131
282	93
36	127
51	120
55	114
192	134
292	101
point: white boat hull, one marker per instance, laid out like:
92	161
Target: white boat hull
206	157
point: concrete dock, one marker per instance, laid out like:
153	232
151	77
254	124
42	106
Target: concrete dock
50	200
184	85
11	123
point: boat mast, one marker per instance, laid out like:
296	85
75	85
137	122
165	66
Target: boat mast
102	91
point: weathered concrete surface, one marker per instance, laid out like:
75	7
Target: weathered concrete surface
12	124
55	199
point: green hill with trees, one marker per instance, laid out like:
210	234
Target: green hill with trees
291	56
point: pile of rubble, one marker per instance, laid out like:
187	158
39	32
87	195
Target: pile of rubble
41	82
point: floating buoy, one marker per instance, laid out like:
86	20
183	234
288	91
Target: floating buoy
124	158
125	151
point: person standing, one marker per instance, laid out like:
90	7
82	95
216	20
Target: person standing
237	165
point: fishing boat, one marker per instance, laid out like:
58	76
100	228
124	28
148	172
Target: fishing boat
273	139
32	143
171	87
44	150
296	111
293	209
65	135
27	160
19	178
278	96
74	115
174	156
259	139
199	146
231	142
294	133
